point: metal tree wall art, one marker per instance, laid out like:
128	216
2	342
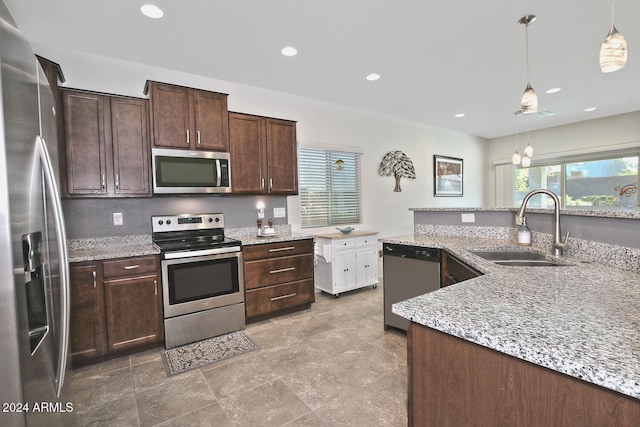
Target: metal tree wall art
398	164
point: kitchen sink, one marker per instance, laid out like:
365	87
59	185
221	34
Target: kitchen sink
517	258
530	263
509	255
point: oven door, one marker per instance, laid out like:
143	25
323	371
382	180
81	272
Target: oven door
197	283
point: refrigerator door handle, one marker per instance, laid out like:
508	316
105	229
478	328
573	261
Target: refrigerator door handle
52	188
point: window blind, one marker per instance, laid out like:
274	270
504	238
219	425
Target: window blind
329	187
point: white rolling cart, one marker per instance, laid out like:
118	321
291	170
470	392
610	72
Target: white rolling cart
346	261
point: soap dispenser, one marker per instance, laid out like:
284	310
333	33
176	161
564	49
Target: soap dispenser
524	234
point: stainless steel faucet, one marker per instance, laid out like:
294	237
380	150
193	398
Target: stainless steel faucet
558	245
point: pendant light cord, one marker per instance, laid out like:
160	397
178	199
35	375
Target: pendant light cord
612	1
526	37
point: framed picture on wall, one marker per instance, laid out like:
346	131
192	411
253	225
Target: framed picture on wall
447	176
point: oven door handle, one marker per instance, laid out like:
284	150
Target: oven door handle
191	254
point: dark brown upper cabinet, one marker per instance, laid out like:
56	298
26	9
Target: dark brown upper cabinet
264	158
106	144
187	118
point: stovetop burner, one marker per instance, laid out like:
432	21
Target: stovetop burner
195	244
189	232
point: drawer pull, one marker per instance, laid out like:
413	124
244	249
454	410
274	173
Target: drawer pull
282	270
287	248
284	296
131	267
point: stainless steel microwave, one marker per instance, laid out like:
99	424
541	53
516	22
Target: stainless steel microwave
190	172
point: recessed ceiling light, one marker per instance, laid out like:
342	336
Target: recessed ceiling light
459	115
373	77
151	11
590	109
289	51
554	90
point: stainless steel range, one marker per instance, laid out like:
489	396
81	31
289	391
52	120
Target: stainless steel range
202	277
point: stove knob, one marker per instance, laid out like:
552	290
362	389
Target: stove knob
217	219
160	222
168	221
211	219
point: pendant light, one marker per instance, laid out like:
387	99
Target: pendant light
515	159
614	50
527	154
528	150
529	101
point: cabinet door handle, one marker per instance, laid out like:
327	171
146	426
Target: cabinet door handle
198	137
270	184
155	287
282	270
95	279
287	248
284	296
188	139
104	181
261	184
131	267
117	181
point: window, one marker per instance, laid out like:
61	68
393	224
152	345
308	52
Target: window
610	183
329	187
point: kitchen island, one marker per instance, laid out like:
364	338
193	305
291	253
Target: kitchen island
524	345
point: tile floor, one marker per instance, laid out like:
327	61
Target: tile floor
331	365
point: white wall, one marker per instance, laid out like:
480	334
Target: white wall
592	136
319	122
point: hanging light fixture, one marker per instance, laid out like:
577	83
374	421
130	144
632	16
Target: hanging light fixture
529	102
515	159
527	154
614	50
528	150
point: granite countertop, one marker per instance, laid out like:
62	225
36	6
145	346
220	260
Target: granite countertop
581	319
599	213
287	236
99	248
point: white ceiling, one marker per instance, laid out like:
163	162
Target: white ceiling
436	59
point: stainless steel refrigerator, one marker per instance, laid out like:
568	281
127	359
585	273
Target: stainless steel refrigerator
34	271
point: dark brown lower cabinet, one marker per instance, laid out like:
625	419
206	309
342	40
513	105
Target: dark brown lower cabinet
278	278
132	310
87	327
456	383
116	308
272	299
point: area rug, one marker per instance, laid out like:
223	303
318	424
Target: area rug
205	352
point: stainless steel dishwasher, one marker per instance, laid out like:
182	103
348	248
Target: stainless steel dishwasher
408	271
